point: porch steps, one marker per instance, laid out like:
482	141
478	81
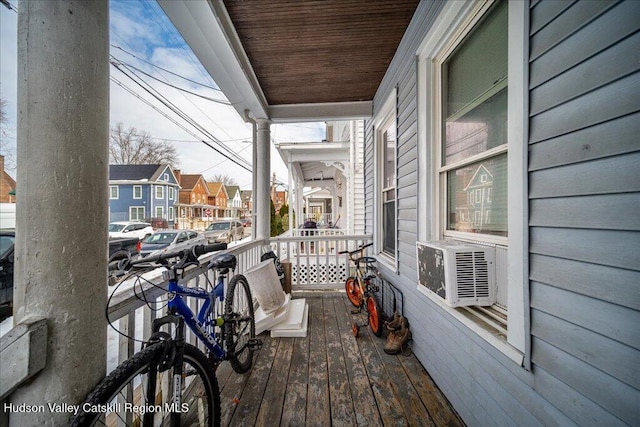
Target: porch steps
296	323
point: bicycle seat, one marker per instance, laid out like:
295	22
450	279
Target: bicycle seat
223	260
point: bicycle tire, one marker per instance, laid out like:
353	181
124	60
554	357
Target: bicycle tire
375	315
354	291
202	400
239	325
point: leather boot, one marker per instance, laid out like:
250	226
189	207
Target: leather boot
397	339
394	325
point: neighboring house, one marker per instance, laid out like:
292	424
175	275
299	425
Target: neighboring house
538	100
327	178
193	208
234	202
138	192
247	203
218	199
279	199
7	185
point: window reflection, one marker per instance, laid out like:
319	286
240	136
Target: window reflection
477	197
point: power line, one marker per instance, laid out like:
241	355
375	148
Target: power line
163	69
9	5
219	101
163	100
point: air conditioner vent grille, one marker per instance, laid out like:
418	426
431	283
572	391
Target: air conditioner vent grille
460	274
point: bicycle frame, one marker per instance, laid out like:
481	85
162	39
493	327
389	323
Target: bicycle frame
197	325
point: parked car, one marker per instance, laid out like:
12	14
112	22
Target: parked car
7	240
118	249
124	248
170	240
224	231
246	222
130	229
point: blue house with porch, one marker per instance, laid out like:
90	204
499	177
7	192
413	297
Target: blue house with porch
137	192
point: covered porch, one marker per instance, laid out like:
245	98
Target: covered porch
332	378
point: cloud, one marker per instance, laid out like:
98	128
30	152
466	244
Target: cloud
142	29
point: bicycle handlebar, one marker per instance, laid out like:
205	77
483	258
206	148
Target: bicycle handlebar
362	247
195	252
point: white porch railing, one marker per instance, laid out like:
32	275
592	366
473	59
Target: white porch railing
315	265
303	232
315	262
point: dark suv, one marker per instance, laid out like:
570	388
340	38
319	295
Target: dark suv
7	239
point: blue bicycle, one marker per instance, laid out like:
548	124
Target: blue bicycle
170	382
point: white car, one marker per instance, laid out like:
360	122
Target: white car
130	229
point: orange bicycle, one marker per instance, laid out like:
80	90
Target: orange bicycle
362	289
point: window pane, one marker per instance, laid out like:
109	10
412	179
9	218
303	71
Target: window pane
480	129
477	197
389	227
389	147
475	87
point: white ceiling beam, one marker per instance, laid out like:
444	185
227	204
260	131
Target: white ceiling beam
328	111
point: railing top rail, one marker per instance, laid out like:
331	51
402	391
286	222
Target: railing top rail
315	238
153	285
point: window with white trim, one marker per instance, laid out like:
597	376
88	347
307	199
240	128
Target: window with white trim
473	147
463	102
159	192
388	196
113	192
170	214
159	212
137	191
136	213
171	193
385	143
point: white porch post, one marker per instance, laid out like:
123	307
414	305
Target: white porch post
291	195
62	202
262	171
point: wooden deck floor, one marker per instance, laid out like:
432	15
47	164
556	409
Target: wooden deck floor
331	378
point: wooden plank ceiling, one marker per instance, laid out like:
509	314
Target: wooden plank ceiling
320	51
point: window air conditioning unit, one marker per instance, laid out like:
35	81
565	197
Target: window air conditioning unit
461	274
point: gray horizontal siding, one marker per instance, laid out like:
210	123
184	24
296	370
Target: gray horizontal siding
584	190
615	285
618	136
618	23
584	236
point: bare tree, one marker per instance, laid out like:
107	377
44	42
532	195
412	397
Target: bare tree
133	147
223	178
7	150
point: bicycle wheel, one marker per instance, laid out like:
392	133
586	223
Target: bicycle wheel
239	325
137	394
375	315
354	291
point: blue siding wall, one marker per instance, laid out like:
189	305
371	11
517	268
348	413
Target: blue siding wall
584	180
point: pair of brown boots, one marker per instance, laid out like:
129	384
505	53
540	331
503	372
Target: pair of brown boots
399	334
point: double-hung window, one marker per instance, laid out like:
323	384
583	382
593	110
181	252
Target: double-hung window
136	213
113	192
386	142
388	196
473	66
473	166
159	192
137	191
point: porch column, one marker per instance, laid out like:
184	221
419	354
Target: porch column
262	170
62	202
291	195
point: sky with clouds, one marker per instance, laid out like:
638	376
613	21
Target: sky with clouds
144	41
